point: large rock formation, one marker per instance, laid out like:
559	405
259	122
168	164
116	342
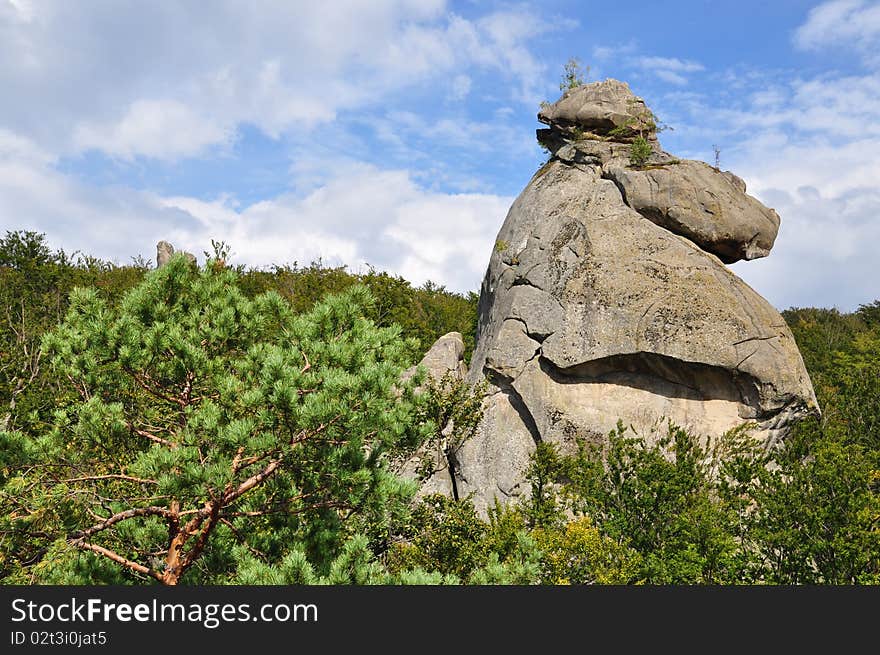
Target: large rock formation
605	299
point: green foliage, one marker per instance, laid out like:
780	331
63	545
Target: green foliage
574	74
677	512
356	564
522	567
25	250
639	152
34	286
626	130
454	409
447	536
820	335
813	516
869	314
220	252
544	472
424	313
842	354
654	493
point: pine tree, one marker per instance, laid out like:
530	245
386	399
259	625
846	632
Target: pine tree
202	429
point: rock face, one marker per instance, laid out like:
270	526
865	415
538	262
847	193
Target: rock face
605	299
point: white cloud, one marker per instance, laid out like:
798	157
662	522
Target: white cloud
671	70
668	69
604	52
456	131
460	88
24	9
110	222
825	252
17	148
847	23
810	148
670	64
167	80
164	129
671	77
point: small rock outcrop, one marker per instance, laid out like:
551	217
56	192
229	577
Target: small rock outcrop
606	298
445	357
165	250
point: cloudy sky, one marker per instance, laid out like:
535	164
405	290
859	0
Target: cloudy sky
396	133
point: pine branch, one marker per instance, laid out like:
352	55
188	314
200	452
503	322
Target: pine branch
142	378
121	516
251	482
152	437
202	538
109	476
119	559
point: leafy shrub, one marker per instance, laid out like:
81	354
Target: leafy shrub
578	553
443	535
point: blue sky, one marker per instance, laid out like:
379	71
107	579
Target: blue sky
396	133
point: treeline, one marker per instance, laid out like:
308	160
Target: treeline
36	282
224	425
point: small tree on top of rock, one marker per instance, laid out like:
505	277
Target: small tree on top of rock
575	74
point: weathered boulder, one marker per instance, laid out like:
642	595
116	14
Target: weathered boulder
589	314
701	203
592	311
600	108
